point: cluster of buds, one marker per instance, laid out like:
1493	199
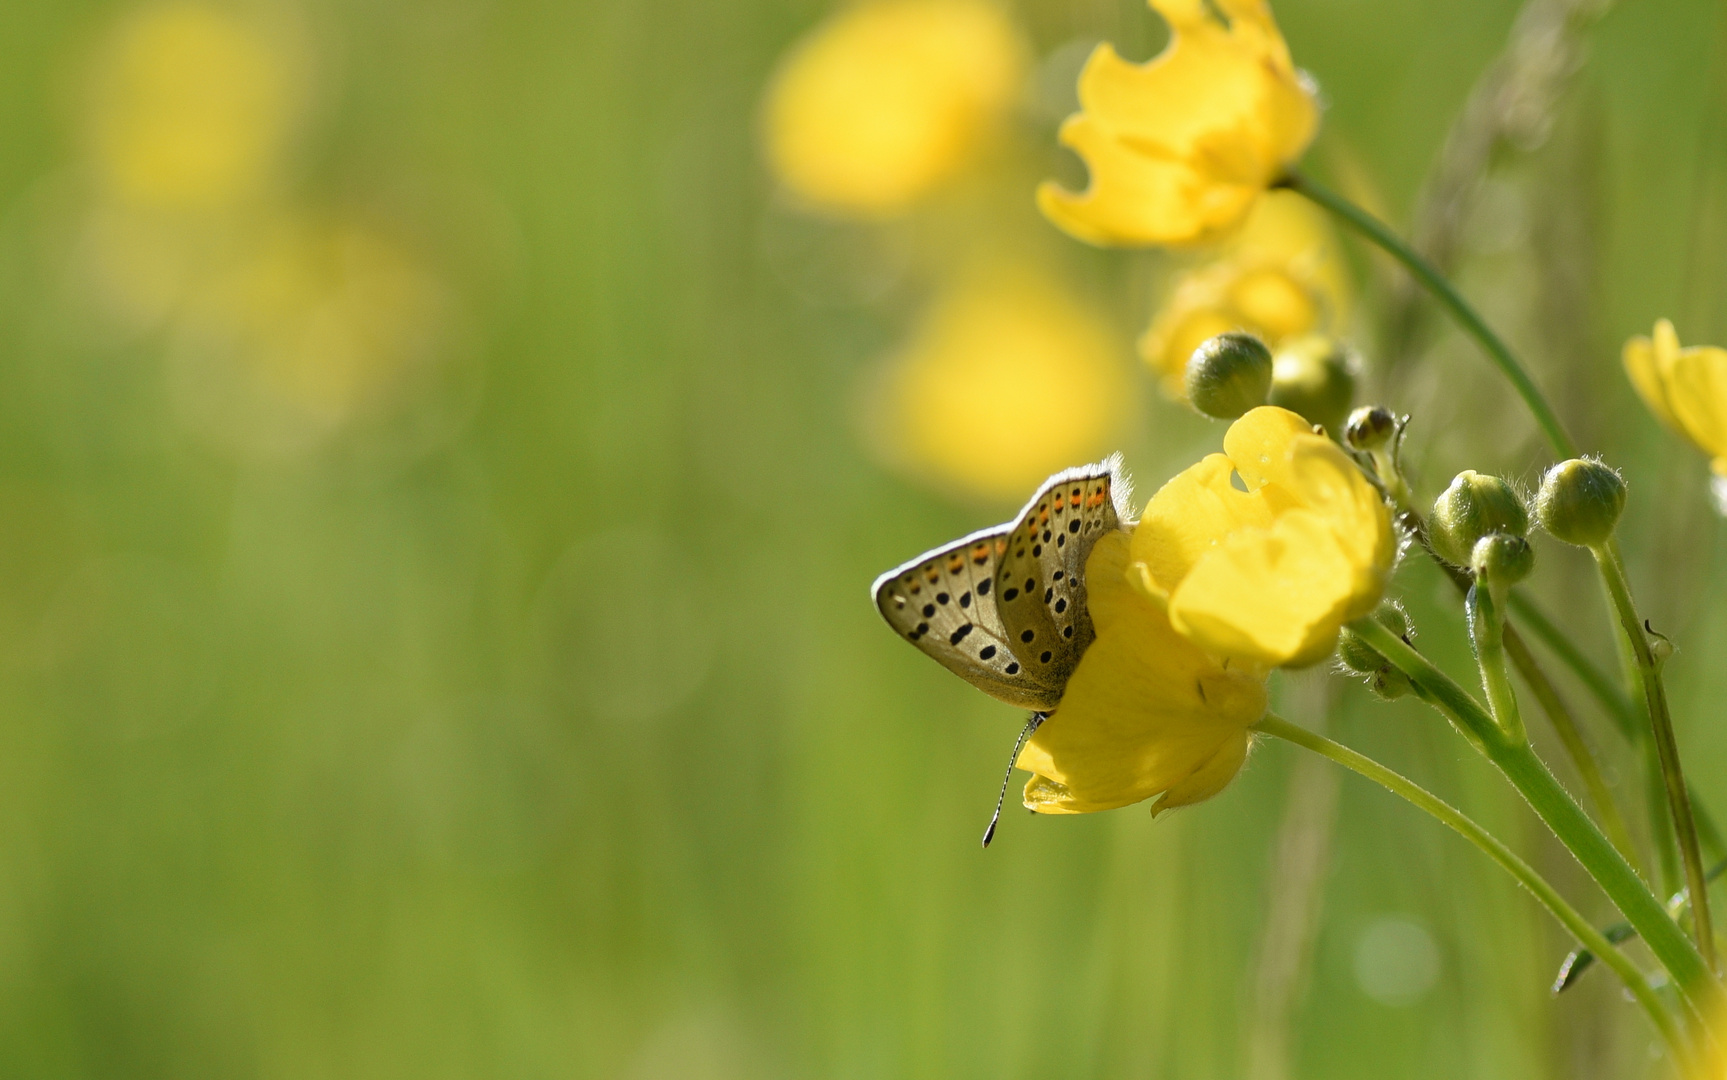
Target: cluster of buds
1482	523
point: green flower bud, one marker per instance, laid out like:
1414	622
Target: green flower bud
1390	684
1370	427
1473	506
1502	559
1386	681
1314	377
1580	501
1228	375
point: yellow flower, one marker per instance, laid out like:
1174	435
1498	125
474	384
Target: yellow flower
1280	278
1266	576
1181	147
1146	713
886	100
191	108
1008	378
1685	388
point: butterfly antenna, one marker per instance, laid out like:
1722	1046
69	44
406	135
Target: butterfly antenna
1031	725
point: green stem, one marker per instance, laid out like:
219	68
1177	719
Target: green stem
1562	815
1582	759
1661	835
1666	746
1418	796
1378	232
1612	699
1487	633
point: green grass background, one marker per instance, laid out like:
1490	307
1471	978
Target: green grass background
569	746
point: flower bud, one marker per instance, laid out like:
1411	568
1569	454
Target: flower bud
1314	377
1502	559
1228	375
1370	427
1386	681
1473	506
1580	501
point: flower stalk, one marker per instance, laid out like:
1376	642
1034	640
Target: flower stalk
1590	938
1666	746
1554	805
1582	759
1487	633
1435	282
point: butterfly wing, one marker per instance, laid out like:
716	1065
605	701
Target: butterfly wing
944	603
1040	576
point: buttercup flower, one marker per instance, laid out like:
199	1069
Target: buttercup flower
887	100
1685	388
1001	352
1146	713
1280	278
1180	148
1266	576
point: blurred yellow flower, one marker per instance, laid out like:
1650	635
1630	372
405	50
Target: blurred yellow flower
190	108
886	100
1146	713
1181	147
1280	277
1685	388
1007	379
1267	575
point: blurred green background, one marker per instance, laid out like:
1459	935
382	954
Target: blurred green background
440	647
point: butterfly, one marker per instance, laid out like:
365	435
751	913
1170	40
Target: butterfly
1004	608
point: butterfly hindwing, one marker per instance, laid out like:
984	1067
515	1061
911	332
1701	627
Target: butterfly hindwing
1005	608
943	602
1041	580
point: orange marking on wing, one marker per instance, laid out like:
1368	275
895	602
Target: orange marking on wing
956	564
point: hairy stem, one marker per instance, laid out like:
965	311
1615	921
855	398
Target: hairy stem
1487	633
1582	759
1666	746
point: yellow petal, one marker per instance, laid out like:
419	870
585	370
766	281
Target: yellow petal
1258	444
1648	377
1272	597
1191	515
1697	393
1180	148
1144	711
1326	481
1109	596
1208	779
